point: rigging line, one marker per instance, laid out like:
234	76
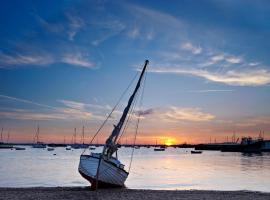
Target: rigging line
131	111
105	121
138	121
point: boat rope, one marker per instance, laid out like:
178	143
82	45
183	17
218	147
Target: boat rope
107	118
137	125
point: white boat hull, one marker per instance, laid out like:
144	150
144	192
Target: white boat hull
109	174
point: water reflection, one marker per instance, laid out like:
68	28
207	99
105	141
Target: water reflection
172	169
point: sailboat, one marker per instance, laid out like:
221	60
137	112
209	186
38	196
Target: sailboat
4	145
104	169
38	144
159	148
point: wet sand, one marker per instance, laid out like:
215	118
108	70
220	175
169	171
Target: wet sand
81	193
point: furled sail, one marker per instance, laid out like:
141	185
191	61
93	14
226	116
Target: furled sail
111	145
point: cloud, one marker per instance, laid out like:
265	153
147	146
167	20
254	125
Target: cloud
77	59
228	58
156	16
233	60
134	33
80	105
245	77
217	58
75	24
209	91
145	112
187	114
26	101
73	104
49	26
71	110
110	28
176	114
61	114
253	63
190	47
7	60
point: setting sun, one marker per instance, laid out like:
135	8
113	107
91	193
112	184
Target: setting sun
169	141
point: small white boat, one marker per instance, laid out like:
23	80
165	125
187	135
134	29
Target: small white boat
68	148
92	148
104	169
159	149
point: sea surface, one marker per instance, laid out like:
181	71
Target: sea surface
175	168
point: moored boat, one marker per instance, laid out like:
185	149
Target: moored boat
196	152
38	144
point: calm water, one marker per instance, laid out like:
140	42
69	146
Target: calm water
172	169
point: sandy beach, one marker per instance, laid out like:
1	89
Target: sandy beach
81	193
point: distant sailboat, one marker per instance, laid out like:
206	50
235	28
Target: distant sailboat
4	145
38	144
160	148
75	145
83	145
104	169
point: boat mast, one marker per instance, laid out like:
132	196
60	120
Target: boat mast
111	145
37	134
83	134
2	134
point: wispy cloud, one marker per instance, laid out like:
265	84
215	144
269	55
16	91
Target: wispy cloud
233	59
157	16
248	77
187	114
77	59
176	114
74	25
8	60
80	105
134	33
68	111
209	91
192	48
26	101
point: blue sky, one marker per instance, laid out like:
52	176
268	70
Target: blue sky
64	64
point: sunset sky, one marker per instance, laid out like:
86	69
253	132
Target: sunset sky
64	64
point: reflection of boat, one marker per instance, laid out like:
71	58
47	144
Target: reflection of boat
50	149
104	169
38	144
196	152
19	148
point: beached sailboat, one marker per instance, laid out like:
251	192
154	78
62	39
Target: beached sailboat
104	169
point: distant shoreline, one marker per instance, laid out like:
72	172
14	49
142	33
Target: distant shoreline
80	193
